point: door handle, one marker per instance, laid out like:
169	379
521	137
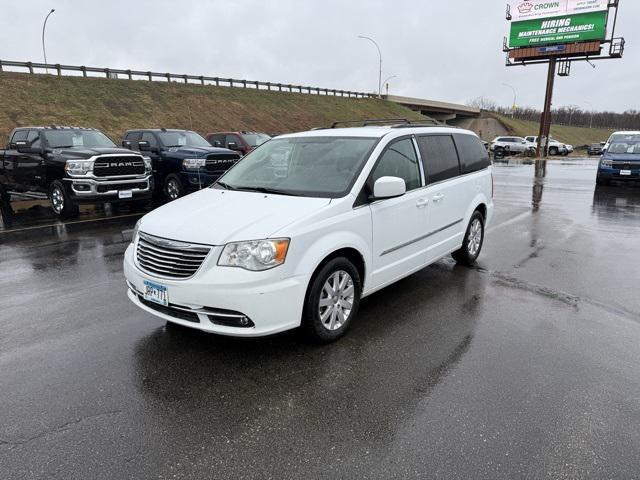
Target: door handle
422	202
438	198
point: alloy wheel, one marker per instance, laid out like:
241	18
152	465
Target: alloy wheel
475	237
336	300
57	200
173	189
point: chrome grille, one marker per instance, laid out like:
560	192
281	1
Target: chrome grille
168	258
118	166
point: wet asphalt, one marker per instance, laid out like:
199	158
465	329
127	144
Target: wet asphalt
526	366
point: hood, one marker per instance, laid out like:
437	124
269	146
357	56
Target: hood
83	152
216	217
622	157
195	152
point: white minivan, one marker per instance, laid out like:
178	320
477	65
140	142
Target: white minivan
306	225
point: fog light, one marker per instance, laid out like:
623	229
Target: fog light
194	181
81	187
244	322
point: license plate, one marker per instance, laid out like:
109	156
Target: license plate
625	172
156	293
125	194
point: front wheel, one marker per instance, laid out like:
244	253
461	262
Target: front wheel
332	301
173	188
472	243
553	151
61	203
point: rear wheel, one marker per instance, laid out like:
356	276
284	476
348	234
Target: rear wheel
332	301
61	203
173	188
473	240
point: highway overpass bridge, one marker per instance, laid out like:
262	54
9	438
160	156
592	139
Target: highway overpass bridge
441	111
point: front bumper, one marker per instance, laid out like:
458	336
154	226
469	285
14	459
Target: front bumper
614	174
273	304
90	189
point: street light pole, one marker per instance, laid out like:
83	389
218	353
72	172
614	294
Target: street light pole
591	114
515	97
380	55
44	25
387	84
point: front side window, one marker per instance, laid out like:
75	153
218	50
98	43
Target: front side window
19	136
439	157
73	138
34	139
182	139
150	138
399	160
301	166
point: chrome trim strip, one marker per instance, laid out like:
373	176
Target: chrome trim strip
175	244
415	240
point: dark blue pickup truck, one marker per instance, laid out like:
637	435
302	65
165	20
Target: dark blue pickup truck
621	159
183	161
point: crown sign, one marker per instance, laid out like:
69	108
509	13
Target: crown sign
525	7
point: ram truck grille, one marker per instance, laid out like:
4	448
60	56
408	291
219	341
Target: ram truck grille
118	166
167	258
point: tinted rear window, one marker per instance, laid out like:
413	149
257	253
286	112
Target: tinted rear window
439	157
473	155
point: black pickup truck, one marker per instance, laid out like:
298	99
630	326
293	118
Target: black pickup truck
72	165
183	161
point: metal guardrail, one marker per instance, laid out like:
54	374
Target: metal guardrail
115	73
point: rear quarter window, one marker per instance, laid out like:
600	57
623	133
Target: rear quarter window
473	155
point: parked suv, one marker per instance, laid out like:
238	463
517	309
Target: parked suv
555	147
510	145
306	225
183	161
242	142
72	165
621	159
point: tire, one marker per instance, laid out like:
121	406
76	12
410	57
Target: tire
565	153
553	151
327	323
473	241
173	188
5	196
601	183
61	203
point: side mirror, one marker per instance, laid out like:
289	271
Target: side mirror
389	187
233	146
144	146
23	147
126	144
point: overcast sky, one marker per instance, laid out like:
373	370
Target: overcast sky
442	50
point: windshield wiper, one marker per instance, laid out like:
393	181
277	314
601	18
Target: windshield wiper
274	191
226	186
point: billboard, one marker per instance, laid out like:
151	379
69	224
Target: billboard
557	21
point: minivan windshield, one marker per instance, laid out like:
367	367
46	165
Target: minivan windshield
183	139
301	166
70	138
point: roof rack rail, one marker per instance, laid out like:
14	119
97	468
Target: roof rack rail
374	121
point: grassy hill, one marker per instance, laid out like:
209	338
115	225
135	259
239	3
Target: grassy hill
576	136
117	105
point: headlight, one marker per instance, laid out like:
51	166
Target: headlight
148	165
193	163
78	167
135	231
255	255
606	163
